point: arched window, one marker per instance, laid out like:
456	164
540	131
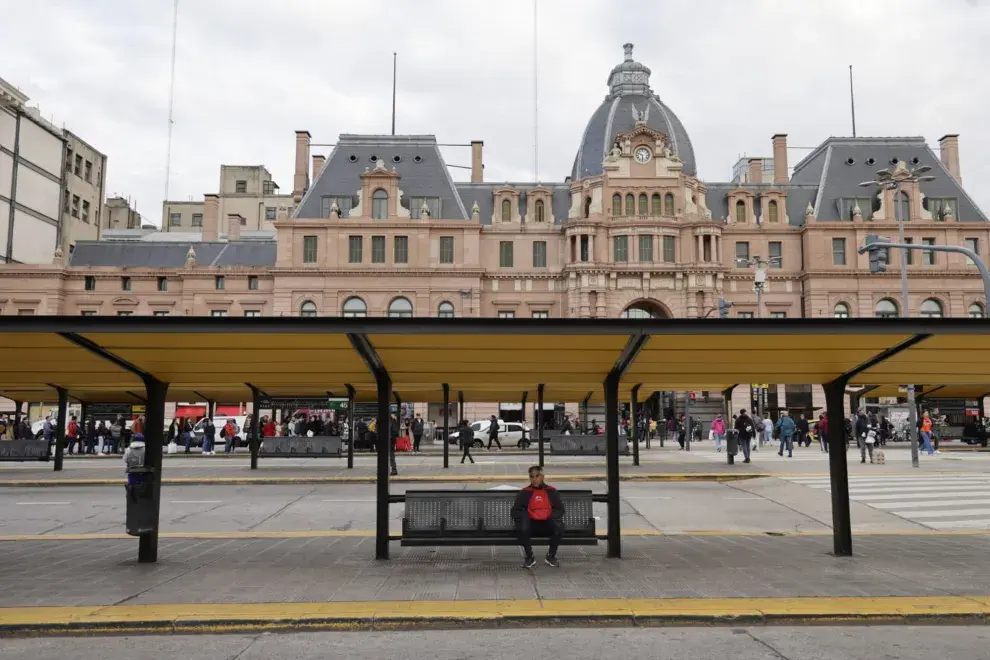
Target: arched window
379	205
616	205
668	204
400	308
355	308
644	310
976	311
741	211
587	207
886	309
772	211
902	206
643	210
539	210
630	205
931	309
841	311
308	309
655	205
506	211
445	310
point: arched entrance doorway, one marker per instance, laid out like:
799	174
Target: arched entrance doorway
645	309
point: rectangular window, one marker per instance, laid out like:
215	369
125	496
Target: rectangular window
505	255
646	249
218	313
778	315
65	203
89	283
400	250
744	315
377	249
252	282
838	252
25	312
240	187
541	315
446	249
197	219
85	211
909	253
539	254
75	206
77	170
974	245
669	249
309	249
507	315
620	249
88	171
125	312
585	256
355	250
158	312
928	257
776	254
163	284
175	219
742	254
268	188
68	159
252	313
270	213
87	312
125	284
220	282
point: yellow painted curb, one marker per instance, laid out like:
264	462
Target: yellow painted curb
392	614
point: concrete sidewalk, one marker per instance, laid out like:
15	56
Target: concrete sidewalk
332	582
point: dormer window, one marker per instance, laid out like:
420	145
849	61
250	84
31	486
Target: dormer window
379	205
741	211
539	210
772	211
506	211
902	206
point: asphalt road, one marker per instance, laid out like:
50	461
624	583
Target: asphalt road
763	643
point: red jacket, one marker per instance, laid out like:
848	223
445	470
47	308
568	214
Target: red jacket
521	505
268	431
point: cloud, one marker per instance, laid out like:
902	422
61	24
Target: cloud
249	73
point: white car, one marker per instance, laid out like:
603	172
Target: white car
219	423
509	433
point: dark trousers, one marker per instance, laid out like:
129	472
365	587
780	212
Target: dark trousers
527	528
467	453
494	438
416	439
72	444
391	458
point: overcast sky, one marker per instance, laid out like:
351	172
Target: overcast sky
250	72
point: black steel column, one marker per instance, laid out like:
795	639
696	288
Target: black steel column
634	422
612	464
727	415
253	432
539	419
17	419
584	414
687	421
838	469
211	408
460	407
383	443
446	425
83	437
154	423
524	397
63	412
350	427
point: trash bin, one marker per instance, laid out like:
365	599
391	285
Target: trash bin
141	505
731	445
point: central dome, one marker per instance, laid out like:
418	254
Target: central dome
629	98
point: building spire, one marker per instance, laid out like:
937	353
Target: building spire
627	49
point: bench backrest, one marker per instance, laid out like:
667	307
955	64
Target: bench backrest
585	443
301	446
483	510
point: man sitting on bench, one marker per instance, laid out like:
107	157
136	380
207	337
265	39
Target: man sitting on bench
538	510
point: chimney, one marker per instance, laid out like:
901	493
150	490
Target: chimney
780	158
756	170
300	182
318	161
211	216
949	152
234	226
477	164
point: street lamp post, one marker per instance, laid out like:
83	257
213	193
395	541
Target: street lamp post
892	180
759	277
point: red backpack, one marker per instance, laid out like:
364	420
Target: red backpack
539	503
73	429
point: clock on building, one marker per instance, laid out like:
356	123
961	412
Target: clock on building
643	155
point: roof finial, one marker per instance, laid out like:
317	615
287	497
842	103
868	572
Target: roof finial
810	210
627	49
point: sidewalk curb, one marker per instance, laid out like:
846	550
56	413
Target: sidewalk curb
410	479
419	615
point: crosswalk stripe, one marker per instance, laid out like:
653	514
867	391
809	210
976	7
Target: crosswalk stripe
956	497
950	513
975	483
912	489
901	504
959	524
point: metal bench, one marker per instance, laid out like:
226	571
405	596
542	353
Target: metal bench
298	447
24	450
584	445
458	517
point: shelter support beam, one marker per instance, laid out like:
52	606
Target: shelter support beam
253	430
612	465
687	421
539	420
727	416
63	411
460	407
524	397
838	470
17	417
350	425
583	411
446	425
856	398
153	442
211	408
634	422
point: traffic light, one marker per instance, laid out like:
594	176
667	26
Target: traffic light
723	308
878	256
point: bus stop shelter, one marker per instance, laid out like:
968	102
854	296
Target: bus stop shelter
108	359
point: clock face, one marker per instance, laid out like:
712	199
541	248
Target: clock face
643	155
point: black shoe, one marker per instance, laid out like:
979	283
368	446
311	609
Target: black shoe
746	461
551	561
779	453
862	460
395	473
529	561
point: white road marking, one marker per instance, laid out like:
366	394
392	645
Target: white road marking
951	513
744	498
40	503
347	500
196	502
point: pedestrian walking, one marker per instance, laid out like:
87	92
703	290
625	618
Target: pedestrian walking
229	436
718	431
768	430
393	432
417	432
72	433
802	431
926	433
681	430
822	430
101	438
209	436
466	437
787	429
186	430
116	433
745	427
862	426
493	433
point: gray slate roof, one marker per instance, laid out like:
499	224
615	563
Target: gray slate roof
484	194
140	254
426	177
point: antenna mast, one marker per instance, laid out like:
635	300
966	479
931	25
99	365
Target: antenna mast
394	65
171	97
536	99
852	99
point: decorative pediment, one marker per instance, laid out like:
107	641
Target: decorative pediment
643	129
